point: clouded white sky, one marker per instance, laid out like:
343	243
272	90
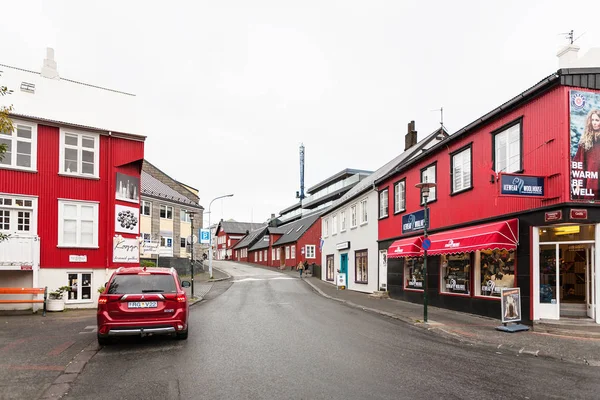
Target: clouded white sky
229	89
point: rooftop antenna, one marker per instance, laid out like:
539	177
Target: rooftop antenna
570	36
300	195
441	110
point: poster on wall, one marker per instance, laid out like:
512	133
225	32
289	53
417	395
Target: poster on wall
585	144
127	219
126	250
127	188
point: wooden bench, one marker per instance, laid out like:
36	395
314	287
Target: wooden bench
24	291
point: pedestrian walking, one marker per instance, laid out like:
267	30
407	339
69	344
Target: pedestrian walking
300	268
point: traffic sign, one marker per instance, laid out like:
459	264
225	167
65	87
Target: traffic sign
204	236
190	238
426	244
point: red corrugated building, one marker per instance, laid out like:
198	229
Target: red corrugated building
505	211
69	187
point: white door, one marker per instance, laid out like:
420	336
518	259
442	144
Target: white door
590	277
382	270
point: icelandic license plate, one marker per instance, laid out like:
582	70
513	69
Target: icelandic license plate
142	304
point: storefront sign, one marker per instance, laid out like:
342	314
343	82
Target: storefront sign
127	219
341	280
74	258
578	214
414	222
553	216
26	267
342	246
126	250
585	163
511	305
150	247
520	185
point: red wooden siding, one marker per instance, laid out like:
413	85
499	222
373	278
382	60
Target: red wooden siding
545	152
311	236
49	186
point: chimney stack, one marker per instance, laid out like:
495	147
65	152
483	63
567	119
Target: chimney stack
411	136
567	56
49	67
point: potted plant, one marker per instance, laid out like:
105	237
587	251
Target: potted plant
56	299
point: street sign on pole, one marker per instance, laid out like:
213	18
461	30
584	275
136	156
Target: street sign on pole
426	244
190	238
204	236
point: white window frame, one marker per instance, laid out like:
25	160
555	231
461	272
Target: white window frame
255	257
325	227
167	212
353	216
79	147
428	176
13	208
400	196
273	254
293	252
343	221
79	299
78	203
144	204
310	251
384	206
461	171
184	216
260	256
277	253
266	255
287	252
14	139
508	134
364	212
334	225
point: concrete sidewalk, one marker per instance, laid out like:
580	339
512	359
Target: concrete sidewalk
573	346
203	283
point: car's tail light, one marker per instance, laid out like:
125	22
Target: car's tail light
181	298
102	300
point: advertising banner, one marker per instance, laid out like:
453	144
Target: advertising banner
126	250
585	144
511	305
414	222
127	219
521	185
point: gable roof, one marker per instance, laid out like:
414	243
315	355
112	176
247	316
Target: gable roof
238	227
188	193
152	187
261	243
295	230
369	181
251	238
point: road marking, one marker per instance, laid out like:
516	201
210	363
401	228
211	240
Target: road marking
13	344
263	279
59	349
89	329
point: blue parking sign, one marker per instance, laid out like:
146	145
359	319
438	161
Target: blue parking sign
204	236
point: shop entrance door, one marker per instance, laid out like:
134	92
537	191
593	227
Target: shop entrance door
383	270
574	268
344	265
590	287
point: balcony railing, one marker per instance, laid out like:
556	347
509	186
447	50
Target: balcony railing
20	253
331	189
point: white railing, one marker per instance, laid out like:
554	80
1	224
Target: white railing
20	252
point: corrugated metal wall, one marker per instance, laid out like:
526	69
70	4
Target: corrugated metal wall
545	151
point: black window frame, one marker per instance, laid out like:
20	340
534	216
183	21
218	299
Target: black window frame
404	209
421	202
454	153
495	132
329	257
387	189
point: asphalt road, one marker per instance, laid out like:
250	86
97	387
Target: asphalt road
270	337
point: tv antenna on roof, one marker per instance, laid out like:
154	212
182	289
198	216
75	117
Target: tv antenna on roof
441	110
570	36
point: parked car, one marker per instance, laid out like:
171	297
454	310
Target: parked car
143	302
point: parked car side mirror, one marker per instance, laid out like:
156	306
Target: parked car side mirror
185	284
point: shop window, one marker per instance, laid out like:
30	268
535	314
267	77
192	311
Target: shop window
455	274
330	268
413	273
361	262
495	269
81	287
566	233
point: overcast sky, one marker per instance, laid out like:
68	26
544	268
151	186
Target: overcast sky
229	89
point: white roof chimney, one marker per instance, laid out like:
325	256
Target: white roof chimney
49	67
567	56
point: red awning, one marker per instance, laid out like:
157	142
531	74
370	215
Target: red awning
410	247
497	235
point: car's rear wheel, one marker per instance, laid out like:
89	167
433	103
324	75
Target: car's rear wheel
103	341
182	335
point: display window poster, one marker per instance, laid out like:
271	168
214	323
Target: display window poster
127	219
511	304
127	188
584	112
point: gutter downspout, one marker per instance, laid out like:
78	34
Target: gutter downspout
108	208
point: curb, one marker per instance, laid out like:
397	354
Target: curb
454	336
220	279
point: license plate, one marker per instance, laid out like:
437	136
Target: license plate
143	304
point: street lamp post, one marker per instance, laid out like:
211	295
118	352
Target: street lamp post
425	188
192	246
210	256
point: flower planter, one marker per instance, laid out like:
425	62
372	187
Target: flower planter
55	305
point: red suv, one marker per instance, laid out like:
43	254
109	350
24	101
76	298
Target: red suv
141	302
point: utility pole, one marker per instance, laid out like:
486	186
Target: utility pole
191	213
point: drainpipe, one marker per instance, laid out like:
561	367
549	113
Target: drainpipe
108	208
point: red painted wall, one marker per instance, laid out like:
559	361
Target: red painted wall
49	186
545	152
311	236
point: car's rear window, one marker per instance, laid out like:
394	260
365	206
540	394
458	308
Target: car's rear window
132	284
